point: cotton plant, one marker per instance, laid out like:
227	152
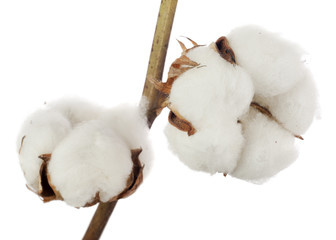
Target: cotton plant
239	105
81	153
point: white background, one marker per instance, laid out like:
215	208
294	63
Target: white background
99	50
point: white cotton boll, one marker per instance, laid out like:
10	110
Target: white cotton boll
215	87
40	134
210	149
274	63
130	124
211	97
76	110
268	149
295	109
91	159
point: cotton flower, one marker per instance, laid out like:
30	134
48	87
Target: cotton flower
84	156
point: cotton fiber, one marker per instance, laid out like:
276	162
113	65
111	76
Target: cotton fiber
268	148
76	110
211	97
83	154
40	133
130	124
295	109
239	105
211	149
91	160
274	63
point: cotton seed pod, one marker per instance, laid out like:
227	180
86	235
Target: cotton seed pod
275	64
88	161
206	93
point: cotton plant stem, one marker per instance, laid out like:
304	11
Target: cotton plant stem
99	220
154	71
158	57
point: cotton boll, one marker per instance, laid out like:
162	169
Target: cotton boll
91	160
76	110
211	97
210	149
130	123
40	134
274	63
295	109
215	87
268	148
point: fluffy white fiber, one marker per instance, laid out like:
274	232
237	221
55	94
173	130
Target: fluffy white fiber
39	134
274	63
295	109
76	110
210	149
90	149
215	88
130	124
211	97
268	148
92	159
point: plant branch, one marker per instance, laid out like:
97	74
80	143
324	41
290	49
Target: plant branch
158	57
154	71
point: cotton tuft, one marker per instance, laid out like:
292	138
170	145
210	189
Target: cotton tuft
268	148
295	109
84	152
130	123
40	133
92	159
212	97
274	63
76	110
249	99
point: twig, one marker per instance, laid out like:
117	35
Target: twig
99	220
154	71
158	57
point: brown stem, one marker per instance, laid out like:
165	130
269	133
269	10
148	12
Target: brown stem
158	57
154	71
99	220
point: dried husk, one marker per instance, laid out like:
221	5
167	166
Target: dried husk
265	111
181	123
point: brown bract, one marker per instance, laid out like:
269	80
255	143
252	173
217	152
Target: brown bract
177	68
181	124
225	51
22	140
264	110
48	192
